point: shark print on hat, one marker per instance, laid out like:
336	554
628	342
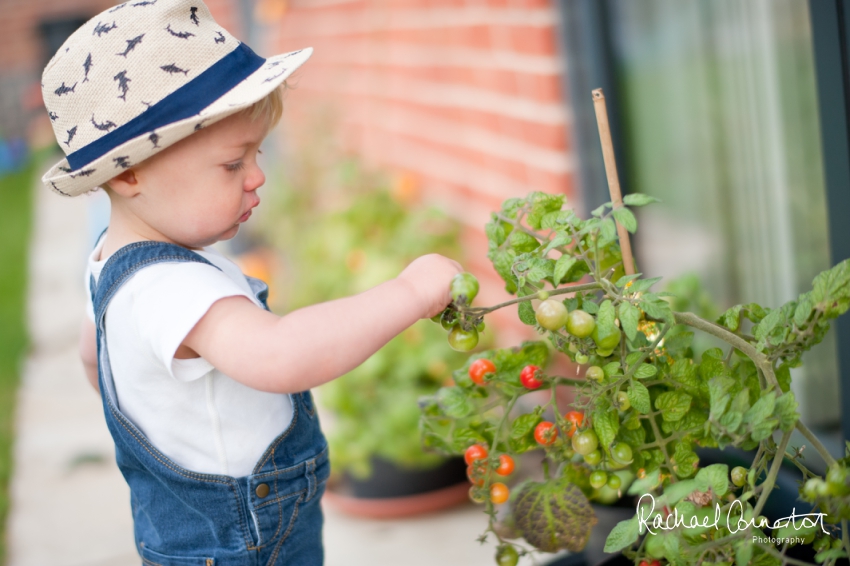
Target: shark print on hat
71	133
58	190
172	68
83	173
64	89
87	67
180	34
100	28
273	77
53	116
118	7
131	44
105	126
154	138
219	38
122	84
144	3
193	15
122	161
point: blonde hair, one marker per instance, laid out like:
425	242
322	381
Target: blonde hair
270	107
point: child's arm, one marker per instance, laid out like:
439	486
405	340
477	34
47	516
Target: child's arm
318	343
88	350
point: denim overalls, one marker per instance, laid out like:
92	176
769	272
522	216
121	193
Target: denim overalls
184	518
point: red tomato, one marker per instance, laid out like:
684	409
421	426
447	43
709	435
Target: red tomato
528	379
506	465
479	369
575	418
499	493
475	452
545	433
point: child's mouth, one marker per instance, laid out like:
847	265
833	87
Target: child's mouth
245	216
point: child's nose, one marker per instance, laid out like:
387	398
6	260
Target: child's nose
255	180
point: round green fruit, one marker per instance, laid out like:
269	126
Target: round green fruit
622	453
593	458
507	555
448	319
595	373
614	481
836	479
580	324
581	359
598	478
464	285
603	353
609	342
739	476
551	314
623	400
585	442
462	340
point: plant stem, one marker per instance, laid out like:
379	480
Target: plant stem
824	453
770	480
561	291
663	447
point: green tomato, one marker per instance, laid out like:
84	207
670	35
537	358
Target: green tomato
464	285
739	475
621	452
581	359
480	326
598	478
623	401
585	442
614	481
811	488
448	319
608	342
437	318
593	458
507	555
836	479
580	324
551	314
654	546
596	373
603	353
461	340
542	295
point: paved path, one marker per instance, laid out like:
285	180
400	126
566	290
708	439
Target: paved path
70	506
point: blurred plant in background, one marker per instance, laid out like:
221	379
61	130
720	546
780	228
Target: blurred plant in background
342	229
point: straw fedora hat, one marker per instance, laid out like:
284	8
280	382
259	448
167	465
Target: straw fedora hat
141	76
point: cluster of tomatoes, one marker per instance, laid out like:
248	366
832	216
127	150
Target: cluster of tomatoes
463	334
479	466
553	315
583	442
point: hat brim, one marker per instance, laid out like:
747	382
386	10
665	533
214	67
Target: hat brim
67	182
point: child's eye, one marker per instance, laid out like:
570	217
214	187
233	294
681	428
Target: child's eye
234	166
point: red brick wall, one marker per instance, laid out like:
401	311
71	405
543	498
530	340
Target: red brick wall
464	95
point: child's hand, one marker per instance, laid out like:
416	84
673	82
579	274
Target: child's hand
430	277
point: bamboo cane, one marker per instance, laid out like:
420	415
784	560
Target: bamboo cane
613	179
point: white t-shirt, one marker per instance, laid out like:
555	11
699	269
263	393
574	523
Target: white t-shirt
197	416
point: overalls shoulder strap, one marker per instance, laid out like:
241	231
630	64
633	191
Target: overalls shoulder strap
124	263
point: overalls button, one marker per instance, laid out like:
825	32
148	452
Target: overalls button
262	490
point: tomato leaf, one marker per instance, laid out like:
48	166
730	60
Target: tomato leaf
606	423
503	261
526	313
626	218
562	266
454	402
642	285
831	290
786	411
645	370
638	199
673	405
639	397
622	535
685	460
539	268
605	319
762	408
656	307
715	476
495	232
629	317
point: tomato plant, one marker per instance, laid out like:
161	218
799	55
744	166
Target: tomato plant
647	401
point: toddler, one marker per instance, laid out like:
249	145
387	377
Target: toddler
205	392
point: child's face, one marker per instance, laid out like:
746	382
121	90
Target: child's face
201	189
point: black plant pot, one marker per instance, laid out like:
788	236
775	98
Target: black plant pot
392	492
389	480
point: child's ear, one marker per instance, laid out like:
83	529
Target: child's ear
125	183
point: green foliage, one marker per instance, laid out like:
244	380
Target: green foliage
654	397
366	238
15	215
554	515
